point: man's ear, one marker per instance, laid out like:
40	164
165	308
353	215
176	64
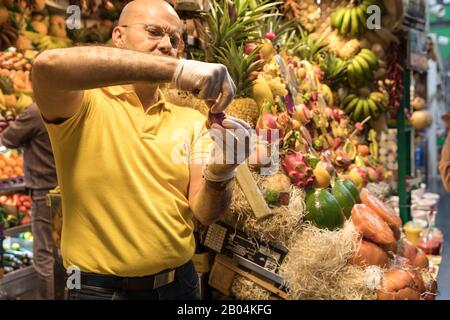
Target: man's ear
180	49
118	37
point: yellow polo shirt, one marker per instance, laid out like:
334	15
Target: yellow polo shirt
124	179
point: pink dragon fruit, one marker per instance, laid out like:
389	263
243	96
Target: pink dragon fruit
297	168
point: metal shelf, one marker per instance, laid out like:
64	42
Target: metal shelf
16	230
13	188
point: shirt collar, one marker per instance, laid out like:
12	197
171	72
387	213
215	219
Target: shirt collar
119	90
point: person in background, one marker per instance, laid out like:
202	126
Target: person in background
444	165
28	132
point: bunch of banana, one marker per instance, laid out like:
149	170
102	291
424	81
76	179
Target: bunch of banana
359	107
353	19
8	36
360	69
49	42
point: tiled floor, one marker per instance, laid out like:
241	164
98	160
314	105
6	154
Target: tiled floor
443	223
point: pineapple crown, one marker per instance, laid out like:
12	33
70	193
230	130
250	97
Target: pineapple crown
240	66
230	25
335	70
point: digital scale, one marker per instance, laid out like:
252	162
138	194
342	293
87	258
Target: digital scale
264	259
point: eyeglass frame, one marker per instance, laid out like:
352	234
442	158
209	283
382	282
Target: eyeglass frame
146	25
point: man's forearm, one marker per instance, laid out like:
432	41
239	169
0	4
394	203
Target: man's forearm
211	204
82	68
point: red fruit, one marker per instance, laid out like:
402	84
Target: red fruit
337	143
22	209
270	36
297	168
267	122
249	48
26	204
24	198
314	96
25	220
359	126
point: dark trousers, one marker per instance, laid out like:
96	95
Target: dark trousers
184	287
42	245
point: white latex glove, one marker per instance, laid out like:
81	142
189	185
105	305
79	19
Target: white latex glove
233	143
208	81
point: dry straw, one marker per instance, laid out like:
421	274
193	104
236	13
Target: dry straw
278	227
317	265
244	289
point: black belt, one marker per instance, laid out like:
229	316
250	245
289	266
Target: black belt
133	283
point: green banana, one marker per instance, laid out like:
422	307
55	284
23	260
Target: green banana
348	98
351	106
337	17
359	72
351	75
354	23
358	111
374	110
366	109
367	70
360	13
346	22
370	57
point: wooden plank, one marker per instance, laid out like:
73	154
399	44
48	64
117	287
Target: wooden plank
252	192
221	277
229	263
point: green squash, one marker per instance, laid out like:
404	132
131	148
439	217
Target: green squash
344	197
353	190
323	210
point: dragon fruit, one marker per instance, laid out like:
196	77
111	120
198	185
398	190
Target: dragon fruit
296	166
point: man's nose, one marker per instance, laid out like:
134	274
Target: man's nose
165	46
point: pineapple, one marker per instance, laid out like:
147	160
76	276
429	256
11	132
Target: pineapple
240	26
307	47
230	25
241	67
335	70
345	49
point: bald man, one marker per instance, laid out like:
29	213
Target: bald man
132	167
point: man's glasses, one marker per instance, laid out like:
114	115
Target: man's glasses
156	33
